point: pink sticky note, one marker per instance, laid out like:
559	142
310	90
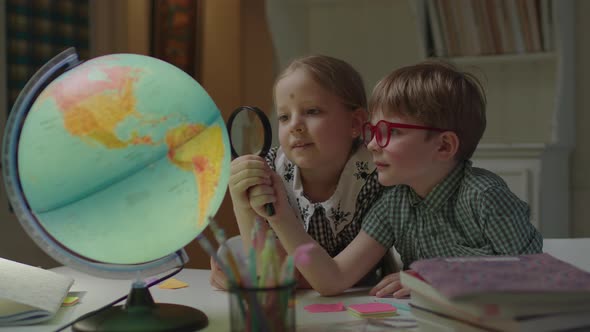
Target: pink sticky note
372	307
324	307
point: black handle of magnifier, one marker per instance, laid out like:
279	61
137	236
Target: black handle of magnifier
270	209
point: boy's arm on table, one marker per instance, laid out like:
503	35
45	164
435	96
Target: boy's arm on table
327	275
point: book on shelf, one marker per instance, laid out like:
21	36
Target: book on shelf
546	24
28	294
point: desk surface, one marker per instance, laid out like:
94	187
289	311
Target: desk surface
96	292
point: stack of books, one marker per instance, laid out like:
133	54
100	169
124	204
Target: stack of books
498	293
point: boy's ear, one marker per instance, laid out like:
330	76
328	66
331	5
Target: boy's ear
448	145
359	117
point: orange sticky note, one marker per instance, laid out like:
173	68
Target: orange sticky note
70	300
172	284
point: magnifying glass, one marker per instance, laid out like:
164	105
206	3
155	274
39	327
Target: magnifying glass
247	133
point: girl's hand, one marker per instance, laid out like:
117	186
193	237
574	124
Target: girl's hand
273	192
217	278
389	285
246	172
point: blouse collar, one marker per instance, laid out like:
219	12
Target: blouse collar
339	209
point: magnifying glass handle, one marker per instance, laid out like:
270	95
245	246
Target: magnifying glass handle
270	209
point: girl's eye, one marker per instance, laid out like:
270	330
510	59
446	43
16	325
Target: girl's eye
394	132
313	111
283	118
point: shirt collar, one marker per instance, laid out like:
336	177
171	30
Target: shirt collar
443	191
339	209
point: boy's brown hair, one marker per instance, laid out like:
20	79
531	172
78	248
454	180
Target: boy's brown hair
336	76
436	94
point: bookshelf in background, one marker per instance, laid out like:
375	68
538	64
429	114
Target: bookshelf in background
488	27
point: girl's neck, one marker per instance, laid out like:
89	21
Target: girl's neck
320	184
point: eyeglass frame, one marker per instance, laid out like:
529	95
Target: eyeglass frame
391	125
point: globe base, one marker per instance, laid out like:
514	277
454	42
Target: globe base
140	313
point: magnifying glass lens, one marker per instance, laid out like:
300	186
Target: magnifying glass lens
247	134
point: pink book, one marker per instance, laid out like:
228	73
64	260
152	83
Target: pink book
503	279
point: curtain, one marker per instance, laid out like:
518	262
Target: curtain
36	31
174	33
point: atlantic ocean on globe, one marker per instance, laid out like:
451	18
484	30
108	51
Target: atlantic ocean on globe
119	147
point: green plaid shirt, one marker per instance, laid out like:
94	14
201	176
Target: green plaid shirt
471	212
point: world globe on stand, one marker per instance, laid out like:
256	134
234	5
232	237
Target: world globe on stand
115	163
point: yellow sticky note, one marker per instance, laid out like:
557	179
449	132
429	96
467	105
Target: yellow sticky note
70	300
172	284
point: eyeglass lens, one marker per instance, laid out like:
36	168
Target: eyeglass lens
381	130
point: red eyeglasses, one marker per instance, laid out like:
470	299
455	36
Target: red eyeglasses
382	131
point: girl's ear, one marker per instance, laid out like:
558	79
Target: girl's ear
359	117
448	145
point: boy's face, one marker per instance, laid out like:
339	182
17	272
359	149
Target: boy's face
409	158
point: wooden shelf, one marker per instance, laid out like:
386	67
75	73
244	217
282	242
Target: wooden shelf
499	58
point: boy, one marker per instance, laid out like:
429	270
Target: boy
444	207
427	120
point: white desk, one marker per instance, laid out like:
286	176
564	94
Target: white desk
215	304
199	294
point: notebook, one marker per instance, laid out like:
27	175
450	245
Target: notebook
422	290
28	294
506	279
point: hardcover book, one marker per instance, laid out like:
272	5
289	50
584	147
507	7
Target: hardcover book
506	279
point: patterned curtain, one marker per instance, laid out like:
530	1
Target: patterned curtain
174	33
36	31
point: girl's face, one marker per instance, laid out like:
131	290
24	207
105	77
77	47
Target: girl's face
316	129
409	158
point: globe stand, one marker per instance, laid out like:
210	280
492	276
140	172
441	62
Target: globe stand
141	313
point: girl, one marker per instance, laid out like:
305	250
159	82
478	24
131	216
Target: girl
326	171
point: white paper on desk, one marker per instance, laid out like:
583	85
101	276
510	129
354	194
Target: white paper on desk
29	294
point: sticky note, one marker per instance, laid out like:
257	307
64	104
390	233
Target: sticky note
324	307
372	310
172	284
69	301
398	305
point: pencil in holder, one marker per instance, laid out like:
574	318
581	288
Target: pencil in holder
263	309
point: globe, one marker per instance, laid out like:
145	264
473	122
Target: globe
113	165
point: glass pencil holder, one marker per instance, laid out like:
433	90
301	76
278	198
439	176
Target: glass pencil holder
263	309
